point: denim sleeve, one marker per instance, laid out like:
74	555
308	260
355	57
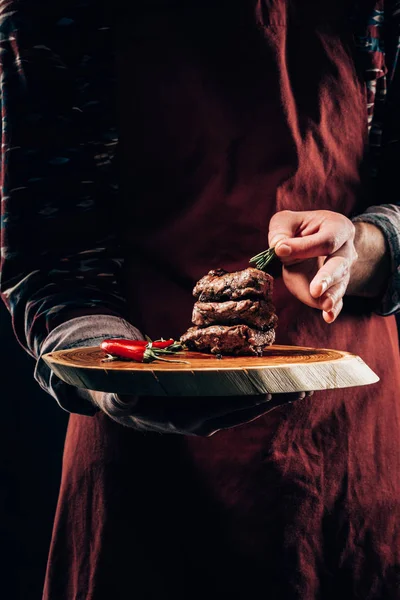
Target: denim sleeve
60	255
83	331
387	218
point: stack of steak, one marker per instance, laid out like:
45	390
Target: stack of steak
233	313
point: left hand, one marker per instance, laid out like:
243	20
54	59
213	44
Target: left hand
317	251
194	416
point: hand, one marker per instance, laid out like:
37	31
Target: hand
198	416
317	251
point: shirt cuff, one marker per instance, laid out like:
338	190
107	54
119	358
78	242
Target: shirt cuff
89	330
387	218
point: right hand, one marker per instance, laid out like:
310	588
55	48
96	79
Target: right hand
198	416
317	251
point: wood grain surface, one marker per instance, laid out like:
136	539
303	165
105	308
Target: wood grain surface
282	369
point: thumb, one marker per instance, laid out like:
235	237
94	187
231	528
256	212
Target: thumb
283	227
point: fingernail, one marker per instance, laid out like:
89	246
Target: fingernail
283	249
330	314
324	286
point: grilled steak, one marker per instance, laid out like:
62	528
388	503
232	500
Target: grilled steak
233	314
235	340
220	286
256	313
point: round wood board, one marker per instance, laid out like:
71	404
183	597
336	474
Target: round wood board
281	369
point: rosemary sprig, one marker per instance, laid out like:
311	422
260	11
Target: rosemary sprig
262	260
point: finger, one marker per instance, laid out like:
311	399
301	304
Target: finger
190	412
125	401
332	315
335	268
284	225
234	419
335	293
116	406
194	419
241	417
334	271
325	242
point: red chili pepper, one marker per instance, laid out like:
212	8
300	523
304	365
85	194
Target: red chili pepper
163	343
124	348
140	350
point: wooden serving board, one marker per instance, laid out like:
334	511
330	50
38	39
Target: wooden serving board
282	369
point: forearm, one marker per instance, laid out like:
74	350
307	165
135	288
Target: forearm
60	255
370	274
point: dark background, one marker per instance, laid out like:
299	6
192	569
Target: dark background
32	430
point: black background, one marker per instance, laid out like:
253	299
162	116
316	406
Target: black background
32	430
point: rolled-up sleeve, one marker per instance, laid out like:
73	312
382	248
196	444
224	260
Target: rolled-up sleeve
89	330
387	218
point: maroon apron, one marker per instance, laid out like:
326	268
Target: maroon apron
229	113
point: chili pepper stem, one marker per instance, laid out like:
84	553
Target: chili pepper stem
150	355
172	360
110	358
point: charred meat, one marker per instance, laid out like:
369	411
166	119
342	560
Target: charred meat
259	314
237	340
233	314
219	285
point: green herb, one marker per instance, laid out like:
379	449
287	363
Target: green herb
262	260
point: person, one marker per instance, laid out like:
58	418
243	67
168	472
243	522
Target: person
143	145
